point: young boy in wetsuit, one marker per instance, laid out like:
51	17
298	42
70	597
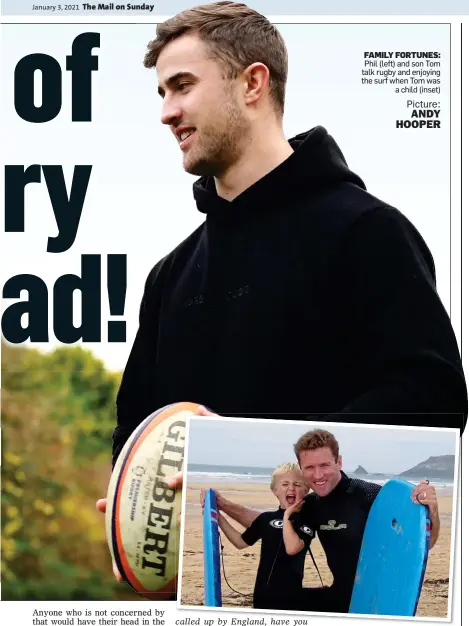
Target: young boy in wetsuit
284	542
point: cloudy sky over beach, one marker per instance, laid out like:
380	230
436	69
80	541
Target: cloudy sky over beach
267	443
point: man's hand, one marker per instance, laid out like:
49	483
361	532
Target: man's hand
425	493
101	506
204	412
175	481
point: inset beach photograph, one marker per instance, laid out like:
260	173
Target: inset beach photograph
319	517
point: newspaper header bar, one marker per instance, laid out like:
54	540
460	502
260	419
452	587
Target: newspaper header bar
267	7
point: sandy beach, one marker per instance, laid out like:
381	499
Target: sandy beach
241	565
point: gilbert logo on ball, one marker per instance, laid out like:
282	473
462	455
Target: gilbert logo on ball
142	512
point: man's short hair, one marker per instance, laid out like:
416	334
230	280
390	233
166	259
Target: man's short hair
315	439
235	35
287	468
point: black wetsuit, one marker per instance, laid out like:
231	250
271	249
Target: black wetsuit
339	521
280	575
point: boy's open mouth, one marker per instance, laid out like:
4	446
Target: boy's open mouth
291	499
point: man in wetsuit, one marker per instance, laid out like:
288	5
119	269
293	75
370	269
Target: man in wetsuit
337	511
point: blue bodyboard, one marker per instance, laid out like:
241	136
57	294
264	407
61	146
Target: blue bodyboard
393	556
212	580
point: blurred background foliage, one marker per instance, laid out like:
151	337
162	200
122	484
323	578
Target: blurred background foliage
58	413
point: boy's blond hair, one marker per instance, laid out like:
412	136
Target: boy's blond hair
287	468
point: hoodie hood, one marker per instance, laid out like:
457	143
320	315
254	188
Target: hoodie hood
316	164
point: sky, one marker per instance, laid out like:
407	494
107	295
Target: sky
265	443
139	200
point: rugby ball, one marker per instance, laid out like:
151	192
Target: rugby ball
142	512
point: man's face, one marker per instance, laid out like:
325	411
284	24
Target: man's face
204	110
289	488
320	469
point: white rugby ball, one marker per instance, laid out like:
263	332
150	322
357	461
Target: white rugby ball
142	513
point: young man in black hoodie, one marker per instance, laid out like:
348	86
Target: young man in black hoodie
301	295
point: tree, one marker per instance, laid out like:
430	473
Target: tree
58	413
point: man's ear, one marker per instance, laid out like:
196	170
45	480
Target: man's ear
256	80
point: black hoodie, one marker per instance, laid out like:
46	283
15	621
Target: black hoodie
303	297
